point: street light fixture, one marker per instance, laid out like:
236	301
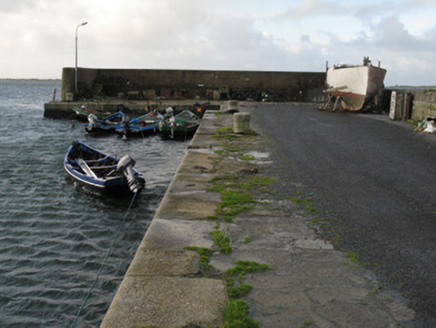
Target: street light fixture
75	71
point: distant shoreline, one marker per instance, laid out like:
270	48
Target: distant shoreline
7	79
410	87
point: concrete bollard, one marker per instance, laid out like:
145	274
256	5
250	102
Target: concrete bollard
241	122
231	107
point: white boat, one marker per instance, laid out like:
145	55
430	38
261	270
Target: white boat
354	85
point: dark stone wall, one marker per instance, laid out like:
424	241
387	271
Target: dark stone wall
189	84
414	104
424	103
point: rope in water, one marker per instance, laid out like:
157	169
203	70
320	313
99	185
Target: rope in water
103	264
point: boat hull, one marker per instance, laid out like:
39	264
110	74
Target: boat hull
82	114
182	125
177	133
115	188
355	85
141	126
106	125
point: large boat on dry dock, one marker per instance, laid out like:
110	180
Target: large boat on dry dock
354	86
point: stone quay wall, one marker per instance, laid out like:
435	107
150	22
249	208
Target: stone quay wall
149	84
424	104
409	104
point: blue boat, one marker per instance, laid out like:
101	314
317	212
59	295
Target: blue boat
141	126
101	173
107	124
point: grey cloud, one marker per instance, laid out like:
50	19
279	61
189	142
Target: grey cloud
13	6
313	8
393	35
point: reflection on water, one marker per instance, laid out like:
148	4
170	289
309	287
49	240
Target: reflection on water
53	236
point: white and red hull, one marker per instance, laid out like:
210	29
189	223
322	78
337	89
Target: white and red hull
355	85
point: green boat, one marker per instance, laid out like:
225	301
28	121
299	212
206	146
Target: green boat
83	113
180	126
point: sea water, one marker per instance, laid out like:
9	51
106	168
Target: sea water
54	236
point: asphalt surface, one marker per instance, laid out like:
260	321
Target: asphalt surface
374	182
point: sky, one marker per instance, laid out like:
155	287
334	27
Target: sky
38	36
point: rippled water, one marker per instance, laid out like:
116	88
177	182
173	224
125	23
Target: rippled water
54	236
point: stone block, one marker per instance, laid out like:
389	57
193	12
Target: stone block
163	263
167	302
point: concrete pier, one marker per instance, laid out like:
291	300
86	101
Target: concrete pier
308	284
162	287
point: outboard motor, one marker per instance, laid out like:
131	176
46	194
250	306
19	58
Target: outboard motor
92	119
126	125
135	182
173	124
172	121
169	111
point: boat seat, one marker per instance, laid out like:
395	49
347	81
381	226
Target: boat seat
100	160
103	167
86	168
93	160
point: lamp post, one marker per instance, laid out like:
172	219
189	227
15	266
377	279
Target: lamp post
75	70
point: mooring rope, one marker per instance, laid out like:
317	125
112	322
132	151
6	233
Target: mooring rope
104	263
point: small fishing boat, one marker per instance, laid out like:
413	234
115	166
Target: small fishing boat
107	124
140	126
102	173
182	125
83	112
354	86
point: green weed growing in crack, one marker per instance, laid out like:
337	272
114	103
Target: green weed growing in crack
232	202
204	262
221	131
336	240
237	311
324	228
306	324
306	202
239	271
236	315
352	260
242	267
236	196
315	222
247	157
235	191
374	290
222	240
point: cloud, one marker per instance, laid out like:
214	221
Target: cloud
315	8
12	6
165	36
39	36
393	35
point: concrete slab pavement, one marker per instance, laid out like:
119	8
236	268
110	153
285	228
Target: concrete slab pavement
309	283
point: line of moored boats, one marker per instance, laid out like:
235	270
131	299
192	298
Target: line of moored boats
182	125
108	175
